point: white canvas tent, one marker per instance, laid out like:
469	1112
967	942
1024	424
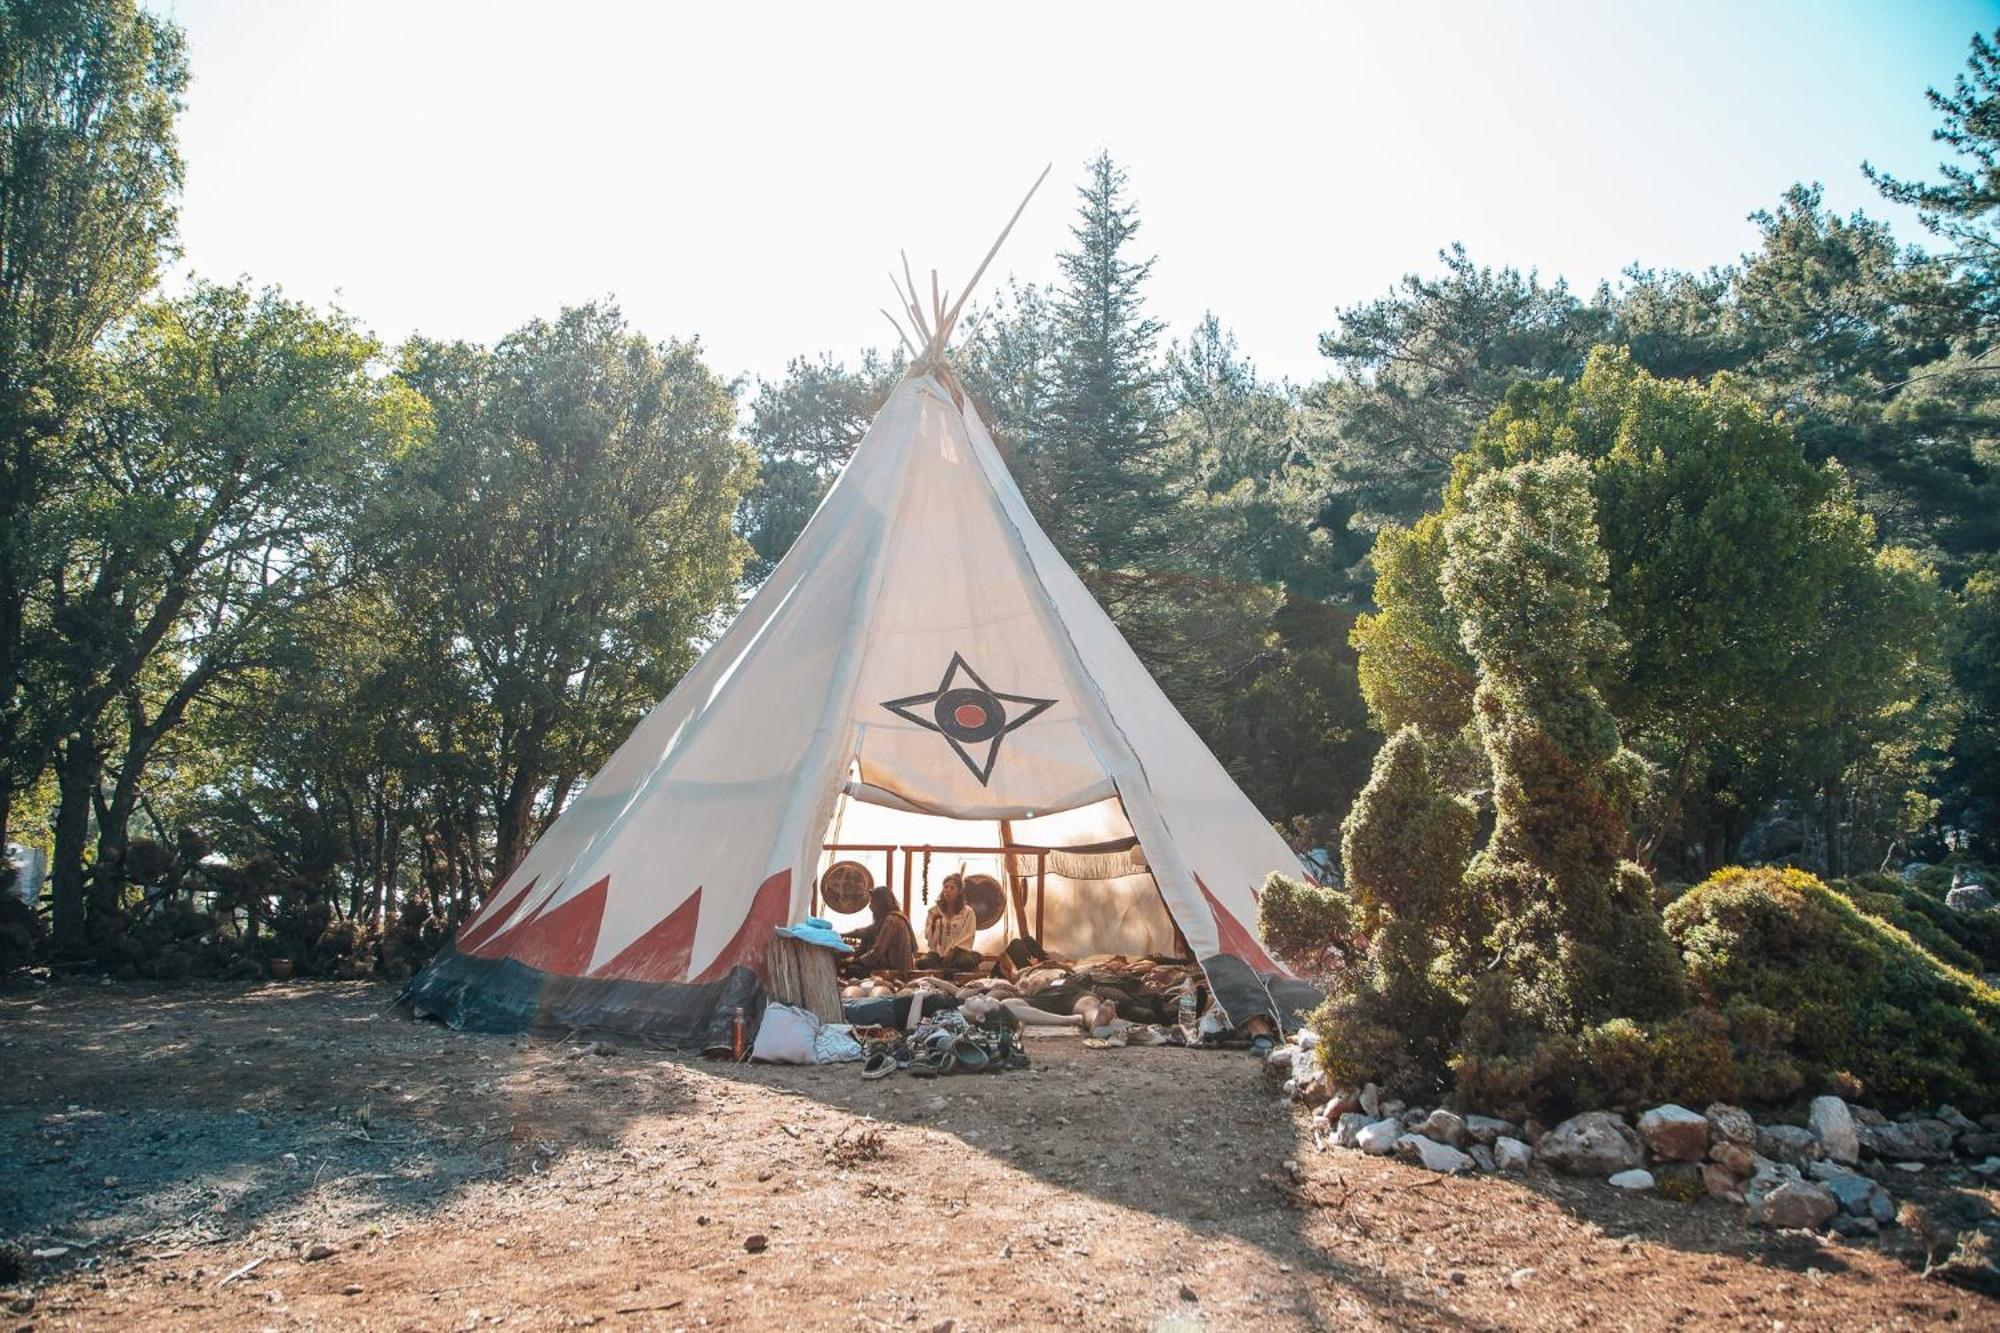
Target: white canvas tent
921	660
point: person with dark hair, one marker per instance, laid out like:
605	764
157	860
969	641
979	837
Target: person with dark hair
886	944
949	929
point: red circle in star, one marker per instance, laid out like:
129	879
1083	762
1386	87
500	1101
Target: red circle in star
969	715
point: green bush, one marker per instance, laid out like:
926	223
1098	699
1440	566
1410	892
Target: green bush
1393	1016
1969	941
1619	1065
1859	995
1306	924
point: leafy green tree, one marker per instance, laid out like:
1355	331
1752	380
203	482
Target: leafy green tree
804	428
1005	354
1272	693
1417	371
1976	749
1735	574
222	466
1960	208
566	540
89	168
1574	931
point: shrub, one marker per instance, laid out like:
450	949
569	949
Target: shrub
1307	924
1858	995
1969	941
1618	1065
1394	1016
1694	1063
20	932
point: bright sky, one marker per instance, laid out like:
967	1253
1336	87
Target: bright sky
747	172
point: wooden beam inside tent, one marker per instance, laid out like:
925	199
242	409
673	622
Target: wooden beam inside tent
1041	889
1013	880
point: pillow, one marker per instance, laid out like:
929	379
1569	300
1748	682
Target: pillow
785	1037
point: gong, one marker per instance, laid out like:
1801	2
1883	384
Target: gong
988	901
845	886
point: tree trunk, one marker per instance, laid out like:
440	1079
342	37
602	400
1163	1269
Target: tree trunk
76	783
1830	828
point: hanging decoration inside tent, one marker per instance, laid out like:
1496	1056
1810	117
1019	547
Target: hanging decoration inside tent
845	886
969	714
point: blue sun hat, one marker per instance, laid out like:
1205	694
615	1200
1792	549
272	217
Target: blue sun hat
817	930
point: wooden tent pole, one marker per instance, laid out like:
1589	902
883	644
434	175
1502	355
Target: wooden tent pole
1013	880
899	333
910	283
952	319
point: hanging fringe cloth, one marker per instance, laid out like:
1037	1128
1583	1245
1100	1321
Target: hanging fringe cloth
1099	860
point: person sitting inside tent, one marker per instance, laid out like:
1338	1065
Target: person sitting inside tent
949	929
886	944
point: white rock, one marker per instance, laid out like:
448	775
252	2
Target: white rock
1730	1124
1347	1127
1596	1143
1637	1178
1833	1125
1444	1126
1674	1133
1378	1139
1432	1154
1371	1100
1510	1154
1796	1204
1485	1129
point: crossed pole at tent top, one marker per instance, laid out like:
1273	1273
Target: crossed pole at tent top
937	330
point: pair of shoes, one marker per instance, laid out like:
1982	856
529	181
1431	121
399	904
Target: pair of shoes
970	1056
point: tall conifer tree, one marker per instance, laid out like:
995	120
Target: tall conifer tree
1105	488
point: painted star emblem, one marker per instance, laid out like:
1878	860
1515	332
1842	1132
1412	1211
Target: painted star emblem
971	716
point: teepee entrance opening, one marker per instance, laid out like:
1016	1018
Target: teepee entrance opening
1076	881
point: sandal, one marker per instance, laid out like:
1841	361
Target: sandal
880	1064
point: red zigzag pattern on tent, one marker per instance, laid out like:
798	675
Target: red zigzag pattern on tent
562	939
768	911
1233	939
662	953
480	929
557	939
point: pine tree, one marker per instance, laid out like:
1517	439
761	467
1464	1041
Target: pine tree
1100	478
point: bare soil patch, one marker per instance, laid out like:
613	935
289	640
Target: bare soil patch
276	1156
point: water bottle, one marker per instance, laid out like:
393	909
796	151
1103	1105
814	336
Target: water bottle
1190	1017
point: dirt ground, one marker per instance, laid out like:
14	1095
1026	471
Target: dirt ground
280	1156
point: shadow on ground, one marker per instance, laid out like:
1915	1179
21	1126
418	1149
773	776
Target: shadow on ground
155	1123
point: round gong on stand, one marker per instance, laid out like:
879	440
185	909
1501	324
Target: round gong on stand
845	886
988	901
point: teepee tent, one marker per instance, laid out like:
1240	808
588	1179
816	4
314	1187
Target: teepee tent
921	670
